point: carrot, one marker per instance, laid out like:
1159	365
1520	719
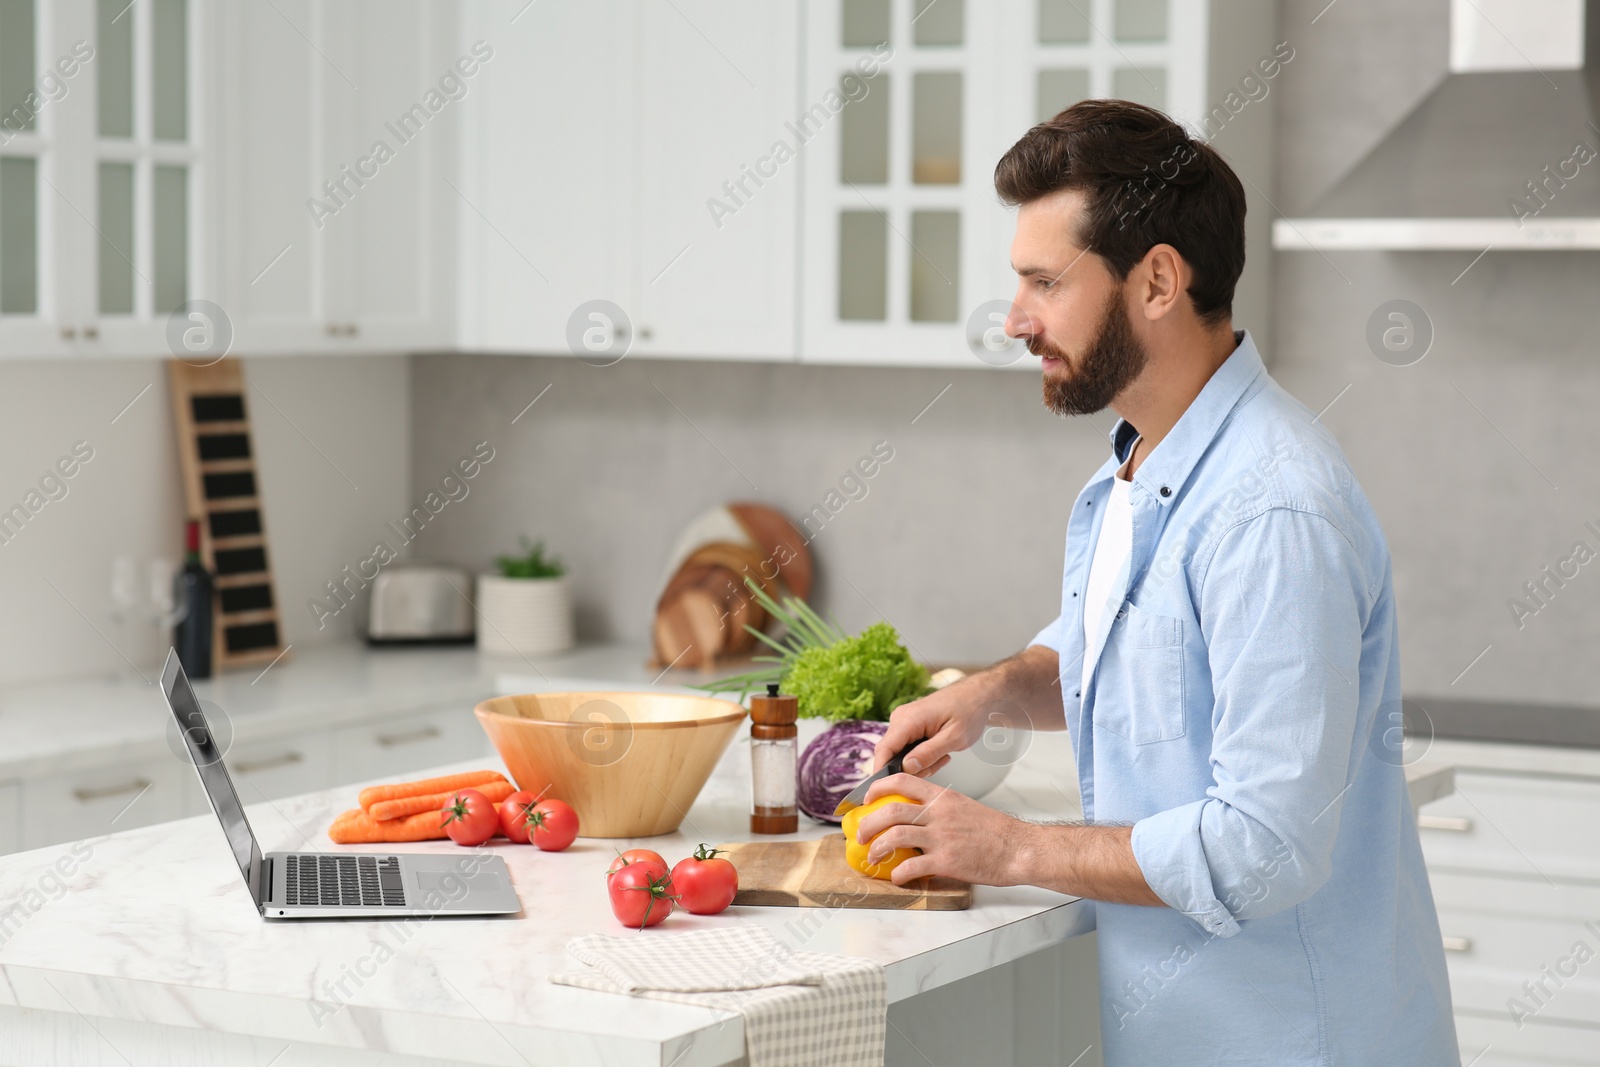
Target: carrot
356	827
428	786
384	810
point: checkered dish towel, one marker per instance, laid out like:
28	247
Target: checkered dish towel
800	1009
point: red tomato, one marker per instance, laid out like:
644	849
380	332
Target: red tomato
470	817
514	815
641	893
705	885
635	855
552	824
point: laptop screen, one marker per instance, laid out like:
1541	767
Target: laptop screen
213	774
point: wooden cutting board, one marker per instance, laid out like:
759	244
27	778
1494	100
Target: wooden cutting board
813	874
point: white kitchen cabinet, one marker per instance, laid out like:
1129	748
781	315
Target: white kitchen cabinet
715	257
103	176
904	111
905	241
598	164
280	767
1491	1039
1517	889
100	800
393	748
1501	932
10	817
1518	825
341	131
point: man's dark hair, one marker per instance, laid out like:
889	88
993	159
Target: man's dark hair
1145	183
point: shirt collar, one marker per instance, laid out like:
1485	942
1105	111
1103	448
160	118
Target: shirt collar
1166	469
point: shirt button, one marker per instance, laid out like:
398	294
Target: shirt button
1166	490
1079	693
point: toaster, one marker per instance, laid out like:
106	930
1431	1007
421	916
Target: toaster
420	604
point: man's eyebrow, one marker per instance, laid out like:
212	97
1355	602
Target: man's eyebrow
1051	272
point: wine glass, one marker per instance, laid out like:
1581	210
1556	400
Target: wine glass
167	610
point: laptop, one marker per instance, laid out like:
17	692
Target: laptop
334	885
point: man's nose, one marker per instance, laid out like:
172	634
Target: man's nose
1020	324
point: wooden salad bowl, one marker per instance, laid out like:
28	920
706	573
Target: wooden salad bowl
630	763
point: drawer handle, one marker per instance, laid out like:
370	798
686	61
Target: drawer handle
138	785
267	763
1453	823
1458	944
425	733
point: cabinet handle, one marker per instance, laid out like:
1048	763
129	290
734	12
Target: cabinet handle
84	796
1453	823
69	333
1458	944
267	763
646	333
91	333
424	733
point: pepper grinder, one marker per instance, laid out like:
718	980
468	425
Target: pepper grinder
773	743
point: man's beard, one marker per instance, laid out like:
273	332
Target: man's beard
1113	361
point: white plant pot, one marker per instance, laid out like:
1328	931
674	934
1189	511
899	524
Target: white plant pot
524	616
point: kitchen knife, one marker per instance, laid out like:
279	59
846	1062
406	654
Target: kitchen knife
858	795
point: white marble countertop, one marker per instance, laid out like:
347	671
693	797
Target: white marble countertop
155	925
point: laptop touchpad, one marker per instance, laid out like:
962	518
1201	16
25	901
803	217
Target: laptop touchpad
453	886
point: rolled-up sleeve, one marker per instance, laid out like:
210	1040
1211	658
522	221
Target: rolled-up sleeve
1050	636
1282	605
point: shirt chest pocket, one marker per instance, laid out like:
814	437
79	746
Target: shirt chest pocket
1138	686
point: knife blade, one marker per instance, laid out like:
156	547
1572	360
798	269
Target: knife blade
856	796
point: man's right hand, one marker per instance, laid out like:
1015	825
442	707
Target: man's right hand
943	722
954	718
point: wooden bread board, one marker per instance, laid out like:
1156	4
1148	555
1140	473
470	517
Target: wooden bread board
813	874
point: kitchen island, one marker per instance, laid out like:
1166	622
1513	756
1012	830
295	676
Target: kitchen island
143	947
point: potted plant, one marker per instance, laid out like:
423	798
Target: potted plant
852	683
525	609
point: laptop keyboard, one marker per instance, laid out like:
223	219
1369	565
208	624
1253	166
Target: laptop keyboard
343	881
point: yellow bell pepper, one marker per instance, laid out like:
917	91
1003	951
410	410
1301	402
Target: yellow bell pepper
855	853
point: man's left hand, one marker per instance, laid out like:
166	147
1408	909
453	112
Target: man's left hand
959	837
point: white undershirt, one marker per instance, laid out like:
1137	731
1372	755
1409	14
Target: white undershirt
1111	551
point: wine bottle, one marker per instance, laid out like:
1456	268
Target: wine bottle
192	636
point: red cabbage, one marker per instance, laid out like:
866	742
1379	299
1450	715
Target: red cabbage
835	763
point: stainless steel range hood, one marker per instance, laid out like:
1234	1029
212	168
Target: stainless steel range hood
1504	153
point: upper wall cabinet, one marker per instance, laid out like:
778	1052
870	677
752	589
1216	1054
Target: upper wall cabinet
909	104
722	179
341	134
103	176
637	153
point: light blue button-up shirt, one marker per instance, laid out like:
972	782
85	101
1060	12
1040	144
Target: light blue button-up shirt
1243	715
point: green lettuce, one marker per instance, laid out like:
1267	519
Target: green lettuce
862	677
833	675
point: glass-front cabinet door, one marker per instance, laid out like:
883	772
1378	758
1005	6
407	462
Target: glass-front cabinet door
897	132
145	170
37	120
908	105
98	174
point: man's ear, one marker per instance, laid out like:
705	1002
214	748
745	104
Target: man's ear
1163	281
